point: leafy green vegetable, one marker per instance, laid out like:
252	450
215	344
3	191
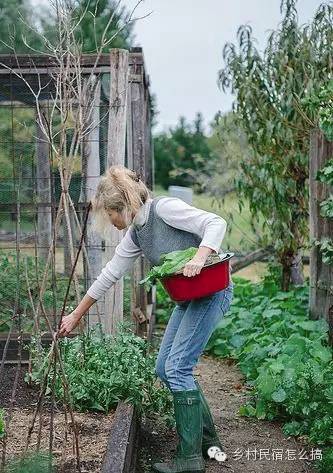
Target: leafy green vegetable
32	462
170	263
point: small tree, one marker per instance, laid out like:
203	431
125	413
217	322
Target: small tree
268	88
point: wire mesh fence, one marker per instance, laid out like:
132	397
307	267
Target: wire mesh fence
30	193
49	251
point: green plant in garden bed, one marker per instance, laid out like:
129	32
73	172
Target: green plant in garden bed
103	371
284	355
2	423
35	462
13	279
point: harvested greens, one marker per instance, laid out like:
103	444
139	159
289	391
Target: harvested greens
170	263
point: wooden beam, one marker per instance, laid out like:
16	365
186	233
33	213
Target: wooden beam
53	70
116	155
12	207
122	447
136	136
90	180
32	61
321	274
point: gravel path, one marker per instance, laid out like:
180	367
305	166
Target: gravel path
247	441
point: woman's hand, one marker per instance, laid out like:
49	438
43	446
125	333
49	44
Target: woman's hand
194	266
68	323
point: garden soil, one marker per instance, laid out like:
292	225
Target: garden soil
93	427
244	438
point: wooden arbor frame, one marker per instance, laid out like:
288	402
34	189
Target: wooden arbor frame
129	142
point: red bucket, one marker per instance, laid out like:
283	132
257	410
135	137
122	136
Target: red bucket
212	278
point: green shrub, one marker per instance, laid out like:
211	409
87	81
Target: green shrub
35	462
324	465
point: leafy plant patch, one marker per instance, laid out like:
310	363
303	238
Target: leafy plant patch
103	371
284	355
33	462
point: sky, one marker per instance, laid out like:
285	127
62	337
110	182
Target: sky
182	42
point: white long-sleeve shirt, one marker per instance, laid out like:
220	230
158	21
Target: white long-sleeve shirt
175	212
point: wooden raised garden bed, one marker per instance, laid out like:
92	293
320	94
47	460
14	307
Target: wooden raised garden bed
107	442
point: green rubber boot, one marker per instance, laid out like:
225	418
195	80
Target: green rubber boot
188	415
209	437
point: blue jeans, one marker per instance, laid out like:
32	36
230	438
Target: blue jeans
186	335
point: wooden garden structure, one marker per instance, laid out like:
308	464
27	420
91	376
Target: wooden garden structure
120	133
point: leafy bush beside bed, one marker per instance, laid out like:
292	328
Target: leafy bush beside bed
284	356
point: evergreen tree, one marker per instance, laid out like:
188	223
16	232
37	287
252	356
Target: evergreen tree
15	19
182	153
96	15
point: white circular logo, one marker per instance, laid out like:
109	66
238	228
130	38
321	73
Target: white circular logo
220	456
216	452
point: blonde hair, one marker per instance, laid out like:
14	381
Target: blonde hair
120	189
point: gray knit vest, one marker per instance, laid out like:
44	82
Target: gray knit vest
156	236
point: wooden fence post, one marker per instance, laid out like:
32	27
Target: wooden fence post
138	155
90	179
116	155
321	274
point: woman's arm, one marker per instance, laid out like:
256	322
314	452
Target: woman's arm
84	306
208	225
126	253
